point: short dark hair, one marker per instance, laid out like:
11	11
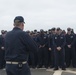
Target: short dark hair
58	29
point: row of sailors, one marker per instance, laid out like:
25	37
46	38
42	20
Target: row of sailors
56	49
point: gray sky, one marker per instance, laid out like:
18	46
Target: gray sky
38	14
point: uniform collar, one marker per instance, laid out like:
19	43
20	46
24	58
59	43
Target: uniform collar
16	28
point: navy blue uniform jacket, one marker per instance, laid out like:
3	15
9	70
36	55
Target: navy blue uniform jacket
59	41
17	45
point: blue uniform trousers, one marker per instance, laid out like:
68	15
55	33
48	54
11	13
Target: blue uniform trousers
13	69
59	58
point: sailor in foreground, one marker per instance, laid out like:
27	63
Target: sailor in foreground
18	44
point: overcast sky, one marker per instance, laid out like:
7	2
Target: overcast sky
38	14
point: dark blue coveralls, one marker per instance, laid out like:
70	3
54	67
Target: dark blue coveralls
42	40
59	41
2	52
70	53
18	44
36	54
51	53
33	59
75	45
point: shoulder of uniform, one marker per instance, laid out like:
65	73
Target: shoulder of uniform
0	36
23	33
